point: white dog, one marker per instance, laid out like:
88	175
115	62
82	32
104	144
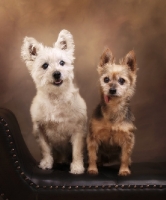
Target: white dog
58	112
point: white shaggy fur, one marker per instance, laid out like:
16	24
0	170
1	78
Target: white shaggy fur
58	111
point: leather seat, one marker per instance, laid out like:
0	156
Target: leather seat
21	179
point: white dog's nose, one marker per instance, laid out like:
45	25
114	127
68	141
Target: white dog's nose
57	75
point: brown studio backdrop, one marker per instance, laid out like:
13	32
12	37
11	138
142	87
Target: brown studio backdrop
122	25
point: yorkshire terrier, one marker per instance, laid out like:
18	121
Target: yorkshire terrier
58	111
111	126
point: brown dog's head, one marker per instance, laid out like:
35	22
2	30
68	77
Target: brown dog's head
117	81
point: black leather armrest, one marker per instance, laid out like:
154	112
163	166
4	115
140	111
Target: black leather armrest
20	177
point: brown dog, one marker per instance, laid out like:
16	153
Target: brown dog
112	125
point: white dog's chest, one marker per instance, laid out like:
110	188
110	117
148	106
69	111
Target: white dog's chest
58	132
61	118
59	114
59	123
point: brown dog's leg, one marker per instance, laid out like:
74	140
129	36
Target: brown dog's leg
92	153
126	147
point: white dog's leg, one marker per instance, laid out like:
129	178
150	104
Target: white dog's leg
46	149
47	160
77	165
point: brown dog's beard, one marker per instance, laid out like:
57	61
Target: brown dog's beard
115	109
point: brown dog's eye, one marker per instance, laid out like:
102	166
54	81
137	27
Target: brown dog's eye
121	81
106	80
45	65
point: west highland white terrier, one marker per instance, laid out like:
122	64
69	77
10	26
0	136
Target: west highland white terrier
58	112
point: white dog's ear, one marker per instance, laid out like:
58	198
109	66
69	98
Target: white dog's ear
30	49
65	41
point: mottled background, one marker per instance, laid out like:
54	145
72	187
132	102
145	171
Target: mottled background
122	25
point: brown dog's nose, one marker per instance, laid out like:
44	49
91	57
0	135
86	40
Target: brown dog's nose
112	91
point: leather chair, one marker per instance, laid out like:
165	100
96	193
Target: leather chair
21	179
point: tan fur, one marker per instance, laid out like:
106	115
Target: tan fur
112	121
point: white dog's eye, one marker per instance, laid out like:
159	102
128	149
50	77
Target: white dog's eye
61	62
45	65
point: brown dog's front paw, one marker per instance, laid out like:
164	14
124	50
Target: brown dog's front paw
124	172
93	171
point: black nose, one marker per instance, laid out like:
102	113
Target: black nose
57	75
112	91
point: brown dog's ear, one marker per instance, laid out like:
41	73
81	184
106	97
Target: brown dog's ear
106	57
130	61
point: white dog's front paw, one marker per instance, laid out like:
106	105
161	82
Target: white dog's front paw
77	168
46	163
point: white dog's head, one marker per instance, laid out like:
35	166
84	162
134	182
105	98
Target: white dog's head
50	67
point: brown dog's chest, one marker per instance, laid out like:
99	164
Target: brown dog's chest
104	131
